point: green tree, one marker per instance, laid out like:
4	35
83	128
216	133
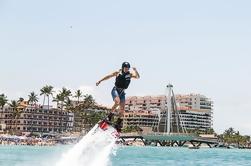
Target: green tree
229	131
33	99
69	107
91	118
3	101
87	117
47	91
20	100
89	100
129	129
78	95
62	98
16	113
76	111
230	136
209	131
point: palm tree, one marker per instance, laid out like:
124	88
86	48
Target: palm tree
229	131
65	95
89	101
3	101
89	118
47	91
33	99
20	100
69	107
43	92
57	99
76	112
60	100
78	95
209	131
16	112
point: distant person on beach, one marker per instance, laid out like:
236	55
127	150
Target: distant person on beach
122	82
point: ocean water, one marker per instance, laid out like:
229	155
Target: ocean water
134	156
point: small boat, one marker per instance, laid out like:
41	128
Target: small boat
193	147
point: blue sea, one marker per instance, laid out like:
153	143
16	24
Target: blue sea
134	156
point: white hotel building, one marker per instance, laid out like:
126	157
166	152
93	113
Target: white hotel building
196	111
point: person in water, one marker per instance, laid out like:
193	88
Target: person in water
122	82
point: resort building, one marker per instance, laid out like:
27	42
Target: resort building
150	103
36	119
195	111
140	118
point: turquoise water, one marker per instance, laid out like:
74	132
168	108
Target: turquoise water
134	156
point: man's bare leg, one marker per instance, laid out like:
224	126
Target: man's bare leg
122	109
113	111
119	122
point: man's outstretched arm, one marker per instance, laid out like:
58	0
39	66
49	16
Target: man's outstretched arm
114	74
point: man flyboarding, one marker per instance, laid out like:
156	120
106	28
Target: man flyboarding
122	82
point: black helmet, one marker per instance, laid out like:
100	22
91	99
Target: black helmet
126	64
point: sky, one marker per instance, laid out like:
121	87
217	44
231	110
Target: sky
198	46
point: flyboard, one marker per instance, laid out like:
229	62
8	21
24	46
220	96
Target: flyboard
108	127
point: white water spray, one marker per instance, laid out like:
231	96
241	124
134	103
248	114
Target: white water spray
93	150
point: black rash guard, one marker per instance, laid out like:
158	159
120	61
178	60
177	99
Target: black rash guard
123	80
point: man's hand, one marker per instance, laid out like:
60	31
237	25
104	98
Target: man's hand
114	74
97	83
136	73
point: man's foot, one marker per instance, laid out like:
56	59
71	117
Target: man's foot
103	125
118	125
